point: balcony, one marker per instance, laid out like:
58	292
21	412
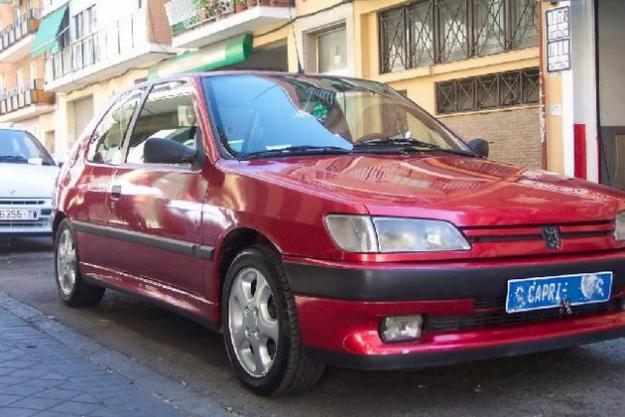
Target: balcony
25	102
199	23
108	52
17	38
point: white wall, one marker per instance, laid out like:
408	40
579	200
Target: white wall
612	62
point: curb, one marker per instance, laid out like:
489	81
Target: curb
181	398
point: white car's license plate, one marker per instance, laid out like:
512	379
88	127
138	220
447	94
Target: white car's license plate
18	214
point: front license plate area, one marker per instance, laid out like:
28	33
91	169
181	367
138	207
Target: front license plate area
551	292
18	214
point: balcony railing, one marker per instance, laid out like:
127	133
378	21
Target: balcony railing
185	15
24	96
20	28
109	44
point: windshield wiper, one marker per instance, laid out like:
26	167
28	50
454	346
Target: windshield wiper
408	145
13	158
296	150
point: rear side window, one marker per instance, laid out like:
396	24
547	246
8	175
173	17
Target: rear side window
108	137
168	113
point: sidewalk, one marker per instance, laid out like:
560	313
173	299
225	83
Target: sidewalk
39	376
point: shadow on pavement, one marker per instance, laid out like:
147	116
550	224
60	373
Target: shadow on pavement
23	245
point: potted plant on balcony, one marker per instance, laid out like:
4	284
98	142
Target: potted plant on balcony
240	5
280	3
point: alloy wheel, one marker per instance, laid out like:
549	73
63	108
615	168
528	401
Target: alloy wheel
66	261
253	322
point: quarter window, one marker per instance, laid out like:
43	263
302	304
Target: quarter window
107	139
168	113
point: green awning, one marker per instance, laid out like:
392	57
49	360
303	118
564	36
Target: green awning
211	57
46	38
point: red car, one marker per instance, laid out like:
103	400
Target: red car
320	220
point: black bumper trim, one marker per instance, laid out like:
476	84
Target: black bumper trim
431	359
432	284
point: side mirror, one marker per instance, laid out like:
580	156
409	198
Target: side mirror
167	151
480	147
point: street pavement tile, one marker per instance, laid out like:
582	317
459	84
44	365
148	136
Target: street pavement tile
8	399
41	377
36	403
73	407
16	412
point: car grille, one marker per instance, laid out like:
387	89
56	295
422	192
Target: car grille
501	234
22	202
41	222
501	318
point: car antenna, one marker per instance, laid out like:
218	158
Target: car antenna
300	67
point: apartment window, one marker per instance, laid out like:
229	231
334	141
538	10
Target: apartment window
84	24
490	91
332	51
19	77
33	72
427	32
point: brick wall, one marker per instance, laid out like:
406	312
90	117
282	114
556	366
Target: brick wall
514	134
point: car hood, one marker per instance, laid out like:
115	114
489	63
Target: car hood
464	190
27	181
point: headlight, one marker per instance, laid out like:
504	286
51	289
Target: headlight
619	231
407	235
364	234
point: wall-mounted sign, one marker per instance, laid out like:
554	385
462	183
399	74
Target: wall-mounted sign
559	55
558	39
558	24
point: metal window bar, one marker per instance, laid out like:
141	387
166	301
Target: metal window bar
502	90
428	32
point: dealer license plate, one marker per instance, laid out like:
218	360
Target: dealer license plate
551	292
18	214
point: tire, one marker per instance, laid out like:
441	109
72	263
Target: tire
72	288
290	370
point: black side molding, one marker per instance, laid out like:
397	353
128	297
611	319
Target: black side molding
163	243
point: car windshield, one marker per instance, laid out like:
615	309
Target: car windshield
19	147
265	115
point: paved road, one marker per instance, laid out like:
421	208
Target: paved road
586	381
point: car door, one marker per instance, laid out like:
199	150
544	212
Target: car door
159	206
91	212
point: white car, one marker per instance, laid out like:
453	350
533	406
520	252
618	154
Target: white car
27	179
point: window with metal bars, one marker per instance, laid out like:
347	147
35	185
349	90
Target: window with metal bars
427	32
506	89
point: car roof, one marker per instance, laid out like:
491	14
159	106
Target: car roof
198	75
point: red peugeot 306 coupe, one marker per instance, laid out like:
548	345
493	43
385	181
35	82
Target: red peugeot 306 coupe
319	220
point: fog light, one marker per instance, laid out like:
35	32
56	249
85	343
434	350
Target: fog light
401	328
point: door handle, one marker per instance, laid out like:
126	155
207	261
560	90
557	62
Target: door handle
116	191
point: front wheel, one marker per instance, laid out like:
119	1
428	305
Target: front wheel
72	289
261	333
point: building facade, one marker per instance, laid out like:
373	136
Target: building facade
91	50
486	68
23	99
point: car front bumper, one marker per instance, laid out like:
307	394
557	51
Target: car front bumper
40	227
340	308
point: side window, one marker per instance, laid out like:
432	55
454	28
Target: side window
168	113
107	139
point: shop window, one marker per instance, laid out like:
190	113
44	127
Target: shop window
427	32
332	51
507	89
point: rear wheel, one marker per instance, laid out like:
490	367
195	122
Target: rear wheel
72	289
261	333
